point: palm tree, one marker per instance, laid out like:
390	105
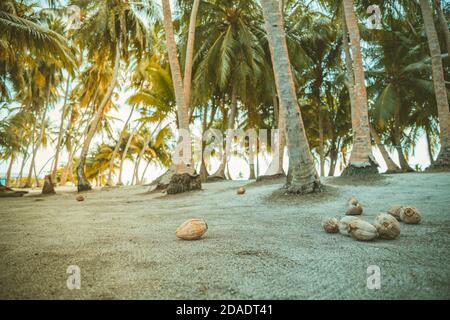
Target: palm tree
182	88
443	159
304	178
112	28
361	159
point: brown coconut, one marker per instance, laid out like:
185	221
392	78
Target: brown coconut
192	229
79	198
343	224
331	225
241	190
410	215
362	230
387	226
354	210
395	211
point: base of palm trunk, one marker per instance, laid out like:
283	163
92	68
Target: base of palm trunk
84	187
271	177
184	182
442	162
361	169
49	186
300	189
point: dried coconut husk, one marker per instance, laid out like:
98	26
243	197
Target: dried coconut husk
80	198
331	225
343	224
241	190
395	211
192	229
362	230
410	215
387	226
354	210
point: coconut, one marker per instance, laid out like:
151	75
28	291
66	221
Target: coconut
354	210
192	229
352	201
79	198
410	215
331	225
395	211
362	230
387	226
241	190
343	224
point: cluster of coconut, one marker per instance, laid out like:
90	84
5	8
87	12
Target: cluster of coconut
386	225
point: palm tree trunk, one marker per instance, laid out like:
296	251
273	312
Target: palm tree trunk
61	129
443	24
182	90
22	166
116	149
230	126
124	156
430	151
397	141
37	143
390	164
443	160
65	171
83	183
361	158
321	146
190	54
8	172
304	178
143	173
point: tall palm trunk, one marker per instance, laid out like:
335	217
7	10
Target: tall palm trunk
390	164
304	178
116	148
361	157
443	24
37	143
182	90
429	148
60	134
443	159
83	183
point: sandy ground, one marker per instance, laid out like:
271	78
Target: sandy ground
258	246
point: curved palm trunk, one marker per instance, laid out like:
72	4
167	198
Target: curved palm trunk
8	173
116	149
124	156
429	148
24	160
390	164
443	160
141	155
361	158
83	183
304	178
60	134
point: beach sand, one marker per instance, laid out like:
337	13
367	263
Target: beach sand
260	245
